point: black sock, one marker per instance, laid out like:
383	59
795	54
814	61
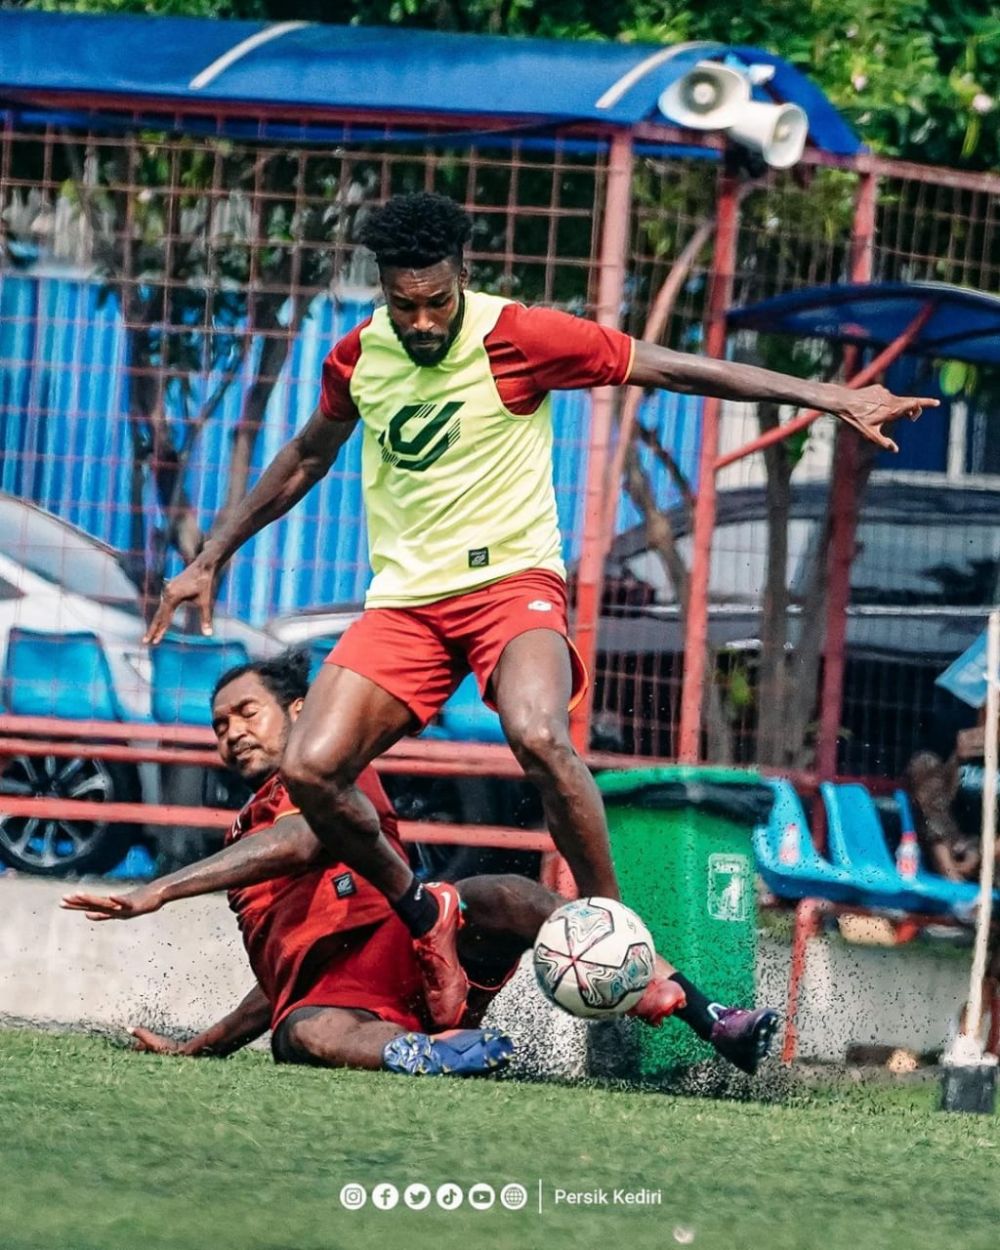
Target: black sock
698	1012
417	909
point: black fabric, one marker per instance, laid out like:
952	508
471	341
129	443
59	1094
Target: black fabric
283	1049
697	1011
417	908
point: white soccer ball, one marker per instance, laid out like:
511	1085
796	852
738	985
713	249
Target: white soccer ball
593	958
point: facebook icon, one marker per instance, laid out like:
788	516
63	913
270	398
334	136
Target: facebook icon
385	1196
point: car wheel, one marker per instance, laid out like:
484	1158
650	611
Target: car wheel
55	847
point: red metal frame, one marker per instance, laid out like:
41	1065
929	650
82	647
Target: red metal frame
133	743
50	727
807	925
610	288
219	818
41	735
844	510
696	634
658	317
606	259
861	378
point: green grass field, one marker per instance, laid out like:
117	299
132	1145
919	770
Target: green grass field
107	1150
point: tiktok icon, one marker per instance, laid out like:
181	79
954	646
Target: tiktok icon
449	1196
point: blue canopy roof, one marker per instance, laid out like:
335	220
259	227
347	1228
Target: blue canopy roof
82	62
964	324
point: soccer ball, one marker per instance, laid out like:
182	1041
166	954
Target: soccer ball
593	958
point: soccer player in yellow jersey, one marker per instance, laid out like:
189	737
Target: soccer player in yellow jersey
451	388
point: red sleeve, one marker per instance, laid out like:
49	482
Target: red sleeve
270	803
335	400
536	350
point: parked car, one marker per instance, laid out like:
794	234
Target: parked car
55	578
925	573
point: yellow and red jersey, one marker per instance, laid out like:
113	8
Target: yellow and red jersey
457	457
287	923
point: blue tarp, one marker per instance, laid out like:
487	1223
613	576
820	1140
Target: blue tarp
965	677
80	62
965	324
66	444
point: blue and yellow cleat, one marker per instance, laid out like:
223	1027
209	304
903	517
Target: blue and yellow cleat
459	1052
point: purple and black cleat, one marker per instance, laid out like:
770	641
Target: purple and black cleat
744	1037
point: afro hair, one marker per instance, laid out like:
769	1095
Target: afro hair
416	231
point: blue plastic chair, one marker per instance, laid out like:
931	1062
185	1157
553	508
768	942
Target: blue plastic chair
466	718
64	675
185	669
857	843
965	894
787	859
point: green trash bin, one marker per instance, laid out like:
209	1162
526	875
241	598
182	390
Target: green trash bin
681	839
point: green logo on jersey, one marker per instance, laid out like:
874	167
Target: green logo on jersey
435	432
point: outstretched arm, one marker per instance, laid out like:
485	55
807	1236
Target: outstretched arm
867	409
288	846
245	1023
297	467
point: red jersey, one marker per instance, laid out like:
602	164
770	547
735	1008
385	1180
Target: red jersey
290	924
531	351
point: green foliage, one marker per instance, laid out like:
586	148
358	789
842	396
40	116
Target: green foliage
740	693
957	378
919	78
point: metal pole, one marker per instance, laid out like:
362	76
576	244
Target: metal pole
989	840
659	315
696	631
807	926
844	513
610	290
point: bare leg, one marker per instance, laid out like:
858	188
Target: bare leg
506	903
513	906
345	723
532	685
337	1037
347	1037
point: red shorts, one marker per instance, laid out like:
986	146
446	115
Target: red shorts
374	971
419	655
377	971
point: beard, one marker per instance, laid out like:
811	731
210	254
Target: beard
428	350
256	769
257	778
